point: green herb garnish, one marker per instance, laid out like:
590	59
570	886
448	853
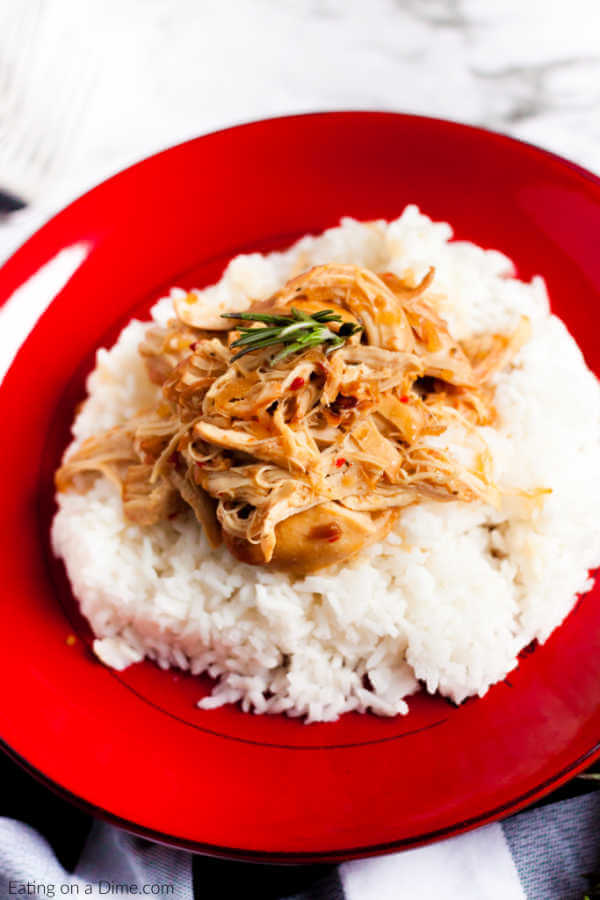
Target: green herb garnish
297	331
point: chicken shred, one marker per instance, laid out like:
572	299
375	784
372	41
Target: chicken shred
303	462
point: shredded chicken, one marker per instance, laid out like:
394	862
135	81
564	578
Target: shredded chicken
302	462
146	503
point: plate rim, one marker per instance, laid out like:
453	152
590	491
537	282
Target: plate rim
250	123
235	854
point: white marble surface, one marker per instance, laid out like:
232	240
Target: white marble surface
119	79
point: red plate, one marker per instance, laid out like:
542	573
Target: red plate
133	747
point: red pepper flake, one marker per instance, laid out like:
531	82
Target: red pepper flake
200	465
340	461
297	383
174	458
194	346
404	399
172	515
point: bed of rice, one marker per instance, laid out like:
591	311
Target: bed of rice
447	600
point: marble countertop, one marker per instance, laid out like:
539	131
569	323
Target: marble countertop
105	84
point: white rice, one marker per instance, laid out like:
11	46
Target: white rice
447	600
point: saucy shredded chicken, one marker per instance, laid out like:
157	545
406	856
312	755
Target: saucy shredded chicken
300	462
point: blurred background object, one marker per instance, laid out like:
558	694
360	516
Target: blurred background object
47	72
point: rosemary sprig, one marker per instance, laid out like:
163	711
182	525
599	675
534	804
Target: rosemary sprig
297	331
